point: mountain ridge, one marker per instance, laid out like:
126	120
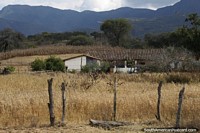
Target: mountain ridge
37	19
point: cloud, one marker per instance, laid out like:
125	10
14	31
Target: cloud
151	4
95	5
101	5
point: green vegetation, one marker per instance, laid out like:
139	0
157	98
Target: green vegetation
190	34
8	70
10	39
188	37
93	67
55	64
51	38
38	65
104	67
176	78
52	63
117	31
80	40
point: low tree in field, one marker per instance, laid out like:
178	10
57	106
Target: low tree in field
117	31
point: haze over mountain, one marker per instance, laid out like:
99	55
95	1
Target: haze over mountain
36	19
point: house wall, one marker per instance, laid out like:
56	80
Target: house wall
75	63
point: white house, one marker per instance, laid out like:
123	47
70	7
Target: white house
77	62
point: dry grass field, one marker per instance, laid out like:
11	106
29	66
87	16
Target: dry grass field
22	64
24	98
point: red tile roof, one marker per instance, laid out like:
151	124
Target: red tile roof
127	54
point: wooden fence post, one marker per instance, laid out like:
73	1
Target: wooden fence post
115	99
158	102
51	103
180	100
63	102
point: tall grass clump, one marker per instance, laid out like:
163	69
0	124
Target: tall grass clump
178	79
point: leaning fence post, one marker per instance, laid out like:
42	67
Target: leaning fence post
180	100
63	102
51	103
158	102
115	99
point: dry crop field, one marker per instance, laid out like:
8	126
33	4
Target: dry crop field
24	98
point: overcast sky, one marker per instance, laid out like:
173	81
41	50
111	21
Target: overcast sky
95	5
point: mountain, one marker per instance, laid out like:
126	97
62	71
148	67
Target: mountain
36	19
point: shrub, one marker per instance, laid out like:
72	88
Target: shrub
178	79
92	67
8	70
52	63
38	65
153	67
95	67
104	67
55	64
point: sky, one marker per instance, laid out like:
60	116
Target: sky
94	5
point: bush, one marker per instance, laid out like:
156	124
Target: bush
8	70
38	65
52	63
93	67
177	79
80	40
156	67
104	67
55	64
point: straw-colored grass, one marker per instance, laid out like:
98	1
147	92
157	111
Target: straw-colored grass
55	50
22	64
29	59
24	98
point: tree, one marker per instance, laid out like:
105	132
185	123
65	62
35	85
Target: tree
162	40
189	35
51	38
10	39
116	30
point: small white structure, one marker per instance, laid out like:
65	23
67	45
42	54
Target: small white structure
125	68
77	62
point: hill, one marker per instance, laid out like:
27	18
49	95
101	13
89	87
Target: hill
36	19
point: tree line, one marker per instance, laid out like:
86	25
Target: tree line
114	32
